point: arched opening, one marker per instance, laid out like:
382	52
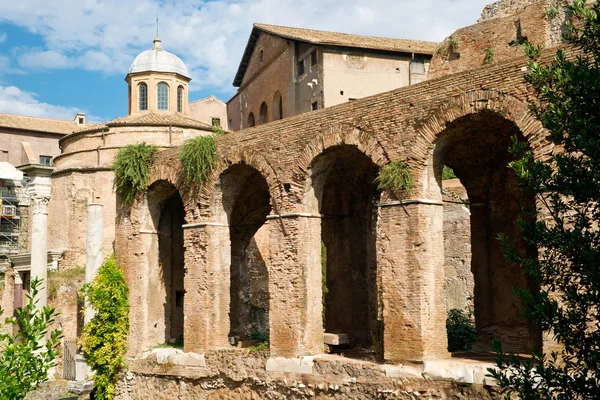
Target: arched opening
246	203
166	280
343	183
143	96
251	121
264	113
162	96
475	147
277	106
180	99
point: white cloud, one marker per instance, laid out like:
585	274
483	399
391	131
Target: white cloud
16	101
3	37
105	35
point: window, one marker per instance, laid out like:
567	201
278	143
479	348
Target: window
81	120
264	113
143	97
300	67
313	58
180	99
417	66
251	121
315	106
216	122
277	106
45	160
262	56
162	96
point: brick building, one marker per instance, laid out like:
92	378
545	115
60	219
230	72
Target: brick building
287	71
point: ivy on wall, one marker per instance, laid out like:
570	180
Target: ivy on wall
132	169
104	338
198	156
396	177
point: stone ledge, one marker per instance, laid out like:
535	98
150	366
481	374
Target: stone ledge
464	371
302	365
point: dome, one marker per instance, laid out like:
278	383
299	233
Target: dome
158	60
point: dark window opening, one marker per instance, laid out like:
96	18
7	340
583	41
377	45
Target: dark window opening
81	120
341	92
261	55
417	67
45	160
300	67
313	58
216	122
315	106
251	121
179	295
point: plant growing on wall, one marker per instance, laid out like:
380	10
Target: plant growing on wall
461	330
198	156
132	169
396	176
103	340
448	173
489	56
568	241
24	359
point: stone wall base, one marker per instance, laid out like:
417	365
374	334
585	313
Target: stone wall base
232	374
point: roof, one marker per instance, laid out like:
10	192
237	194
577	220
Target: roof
37	124
158	60
153	119
332	39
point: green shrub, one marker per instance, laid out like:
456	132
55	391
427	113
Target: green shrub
104	338
132	169
24	358
198	156
489	56
461	330
396	176
448	173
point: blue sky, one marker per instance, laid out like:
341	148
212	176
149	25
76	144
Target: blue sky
58	58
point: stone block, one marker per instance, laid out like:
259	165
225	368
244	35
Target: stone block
403	371
336	339
302	365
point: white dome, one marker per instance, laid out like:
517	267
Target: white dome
158	60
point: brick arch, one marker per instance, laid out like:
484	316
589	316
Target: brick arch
505	105
173	175
239	155
338	135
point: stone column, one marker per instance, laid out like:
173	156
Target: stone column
410	264
94	239
295	306
39	246
207	281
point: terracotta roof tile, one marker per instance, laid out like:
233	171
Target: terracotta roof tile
152	118
349	40
40	124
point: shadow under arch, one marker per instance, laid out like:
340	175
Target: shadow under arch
165	219
242	202
475	146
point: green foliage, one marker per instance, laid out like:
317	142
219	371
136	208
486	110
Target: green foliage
396	176
450	45
131	166
263	346
218	131
461	330
72	277
259	336
448	173
104	338
198	156
551	11
24	358
567	186
489	56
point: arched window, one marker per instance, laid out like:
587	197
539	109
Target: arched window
277	106
251	121
162	96
143	97
264	113
180	99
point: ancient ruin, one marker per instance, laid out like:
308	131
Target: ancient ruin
291	244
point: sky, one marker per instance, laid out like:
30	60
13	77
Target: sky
61	57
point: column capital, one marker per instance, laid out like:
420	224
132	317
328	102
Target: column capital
39	204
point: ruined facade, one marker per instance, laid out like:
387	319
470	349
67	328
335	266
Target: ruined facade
291	207
287	71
